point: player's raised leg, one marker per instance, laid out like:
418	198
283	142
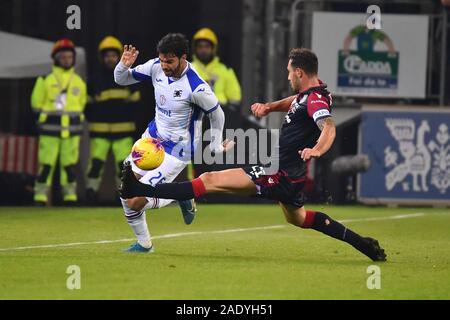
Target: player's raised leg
232	181
319	221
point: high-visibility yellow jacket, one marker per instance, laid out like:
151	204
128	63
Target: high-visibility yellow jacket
222	80
60	114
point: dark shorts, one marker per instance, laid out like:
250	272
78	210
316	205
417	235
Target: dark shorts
278	186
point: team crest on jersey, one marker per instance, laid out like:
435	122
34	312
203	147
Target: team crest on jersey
177	93
75	91
296	105
162	100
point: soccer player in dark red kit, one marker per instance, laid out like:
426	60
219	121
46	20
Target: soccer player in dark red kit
308	132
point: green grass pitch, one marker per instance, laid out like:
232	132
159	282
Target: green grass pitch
227	253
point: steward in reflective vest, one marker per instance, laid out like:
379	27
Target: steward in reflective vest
110	114
59	99
222	79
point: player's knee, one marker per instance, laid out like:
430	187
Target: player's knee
208	178
293	221
296	219
136	204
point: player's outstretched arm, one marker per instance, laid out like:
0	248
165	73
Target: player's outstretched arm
122	72
263	109
217	122
326	139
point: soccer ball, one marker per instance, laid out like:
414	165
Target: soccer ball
147	153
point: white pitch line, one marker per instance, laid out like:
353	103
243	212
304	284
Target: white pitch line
164	236
397	217
184	234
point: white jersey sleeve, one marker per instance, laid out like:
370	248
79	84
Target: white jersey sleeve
125	76
217	122
205	98
144	72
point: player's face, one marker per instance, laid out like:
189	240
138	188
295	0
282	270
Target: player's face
65	59
171	65
204	50
294	77
111	59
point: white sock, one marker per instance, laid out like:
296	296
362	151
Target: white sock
155	203
140	229
138	222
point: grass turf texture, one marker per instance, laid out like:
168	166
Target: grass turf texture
278	263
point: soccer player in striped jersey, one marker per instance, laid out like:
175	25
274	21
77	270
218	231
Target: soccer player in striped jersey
182	98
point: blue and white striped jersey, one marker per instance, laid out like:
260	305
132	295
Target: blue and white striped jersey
180	103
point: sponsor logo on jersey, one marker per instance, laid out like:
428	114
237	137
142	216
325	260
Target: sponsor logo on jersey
321	113
165	112
177	93
319	101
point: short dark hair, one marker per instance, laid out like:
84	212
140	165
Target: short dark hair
175	43
304	59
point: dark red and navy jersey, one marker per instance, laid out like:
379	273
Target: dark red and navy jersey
299	129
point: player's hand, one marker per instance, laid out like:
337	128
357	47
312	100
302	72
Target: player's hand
227	145
129	55
307	153
260	109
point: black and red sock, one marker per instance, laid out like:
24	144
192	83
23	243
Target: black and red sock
321	222
177	190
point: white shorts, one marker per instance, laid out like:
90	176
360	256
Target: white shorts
166	172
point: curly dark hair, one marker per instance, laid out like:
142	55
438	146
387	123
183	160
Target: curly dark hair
175	43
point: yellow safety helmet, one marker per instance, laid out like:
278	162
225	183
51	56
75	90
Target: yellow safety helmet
110	43
206	34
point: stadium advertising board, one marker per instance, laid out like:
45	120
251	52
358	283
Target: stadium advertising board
386	62
409	151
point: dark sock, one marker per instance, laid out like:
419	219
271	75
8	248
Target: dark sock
176	190
321	222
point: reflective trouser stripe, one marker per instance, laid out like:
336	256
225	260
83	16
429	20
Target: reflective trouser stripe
62	113
65	123
104	127
70	192
40	192
57	128
93	183
68	151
